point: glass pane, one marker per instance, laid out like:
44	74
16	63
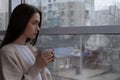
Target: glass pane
83	57
76	13
15	3
36	3
3	14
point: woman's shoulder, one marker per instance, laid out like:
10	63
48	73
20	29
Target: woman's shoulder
9	48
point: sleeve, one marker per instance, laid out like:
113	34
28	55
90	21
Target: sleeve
46	75
11	69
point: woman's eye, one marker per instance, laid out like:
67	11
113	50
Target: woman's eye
34	23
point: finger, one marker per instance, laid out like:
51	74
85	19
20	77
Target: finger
40	51
50	60
47	54
45	61
52	53
37	54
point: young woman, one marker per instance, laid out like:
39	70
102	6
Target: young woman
19	60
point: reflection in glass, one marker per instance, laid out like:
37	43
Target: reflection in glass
3	14
84	57
83	12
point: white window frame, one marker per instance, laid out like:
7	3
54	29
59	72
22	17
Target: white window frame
82	30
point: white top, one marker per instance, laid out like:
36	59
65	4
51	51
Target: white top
28	55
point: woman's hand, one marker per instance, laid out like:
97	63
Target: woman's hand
43	59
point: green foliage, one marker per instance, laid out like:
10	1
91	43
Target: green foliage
0	41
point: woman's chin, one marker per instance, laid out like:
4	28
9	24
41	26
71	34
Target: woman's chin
32	37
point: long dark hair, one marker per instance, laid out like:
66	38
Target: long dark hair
18	21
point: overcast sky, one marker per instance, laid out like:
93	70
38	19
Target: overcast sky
102	4
99	4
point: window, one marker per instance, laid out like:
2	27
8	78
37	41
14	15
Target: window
3	14
89	50
6	6
49	1
50	6
86	14
15	3
62	13
71	13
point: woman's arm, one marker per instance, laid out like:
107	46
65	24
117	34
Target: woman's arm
11	69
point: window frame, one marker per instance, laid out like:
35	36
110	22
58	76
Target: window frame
81	30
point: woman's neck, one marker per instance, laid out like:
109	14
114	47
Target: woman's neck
21	40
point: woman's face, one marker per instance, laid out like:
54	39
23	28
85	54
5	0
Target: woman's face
32	27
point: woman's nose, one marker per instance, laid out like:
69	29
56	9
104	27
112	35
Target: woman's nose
38	28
